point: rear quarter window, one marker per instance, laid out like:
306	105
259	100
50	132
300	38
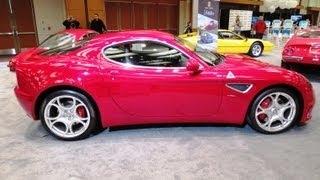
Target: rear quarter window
64	48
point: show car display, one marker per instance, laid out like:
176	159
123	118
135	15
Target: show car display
150	77
230	42
53	41
302	49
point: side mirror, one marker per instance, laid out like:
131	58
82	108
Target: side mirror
193	66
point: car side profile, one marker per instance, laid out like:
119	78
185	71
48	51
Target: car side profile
230	42
151	77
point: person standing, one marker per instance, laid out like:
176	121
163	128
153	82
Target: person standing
97	24
188	28
260	27
71	23
237	25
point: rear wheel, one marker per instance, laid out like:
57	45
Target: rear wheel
274	111
68	115
255	49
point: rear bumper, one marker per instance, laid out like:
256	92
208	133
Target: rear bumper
301	60
26	102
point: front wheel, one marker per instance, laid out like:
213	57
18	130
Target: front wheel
274	111
255	49
68	115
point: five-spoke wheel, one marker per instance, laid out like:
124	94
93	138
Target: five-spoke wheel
274	111
68	115
256	49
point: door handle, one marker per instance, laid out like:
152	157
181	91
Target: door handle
113	72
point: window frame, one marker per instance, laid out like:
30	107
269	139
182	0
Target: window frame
222	37
56	34
144	40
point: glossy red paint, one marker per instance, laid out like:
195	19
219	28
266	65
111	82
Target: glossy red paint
142	95
77	34
303	49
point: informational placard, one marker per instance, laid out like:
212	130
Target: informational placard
245	19
208	14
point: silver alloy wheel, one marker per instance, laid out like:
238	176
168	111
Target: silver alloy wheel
256	49
275	112
67	116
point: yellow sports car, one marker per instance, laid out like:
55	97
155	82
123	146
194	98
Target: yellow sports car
230	42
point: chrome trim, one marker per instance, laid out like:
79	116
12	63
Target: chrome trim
26	33
243	92
8	51
315	46
10	6
7	33
297	58
201	67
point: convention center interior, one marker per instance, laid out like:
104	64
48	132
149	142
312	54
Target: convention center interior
160	89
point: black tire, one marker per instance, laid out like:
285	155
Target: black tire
56	105
256	49
286	106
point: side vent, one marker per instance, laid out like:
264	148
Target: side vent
240	87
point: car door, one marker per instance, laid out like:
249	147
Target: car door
230	42
149	79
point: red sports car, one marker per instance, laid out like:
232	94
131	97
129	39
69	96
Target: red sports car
53	41
302	49
146	77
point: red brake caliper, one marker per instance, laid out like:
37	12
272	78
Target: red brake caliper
265	104
81	112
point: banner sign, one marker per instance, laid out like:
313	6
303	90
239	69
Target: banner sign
245	17
208	23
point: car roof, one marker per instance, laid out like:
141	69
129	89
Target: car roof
137	34
76	31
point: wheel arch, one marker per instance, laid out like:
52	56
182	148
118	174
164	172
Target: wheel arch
285	86
48	91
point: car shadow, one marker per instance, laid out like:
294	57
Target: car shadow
313	74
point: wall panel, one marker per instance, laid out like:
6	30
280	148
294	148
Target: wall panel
126	16
76	8
143	14
138	16
152	16
49	16
112	15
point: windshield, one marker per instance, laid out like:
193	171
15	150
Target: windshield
56	40
308	34
205	55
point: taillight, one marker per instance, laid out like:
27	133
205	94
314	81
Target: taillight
12	65
315	49
288	50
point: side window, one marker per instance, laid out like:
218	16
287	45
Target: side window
229	35
88	36
149	54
